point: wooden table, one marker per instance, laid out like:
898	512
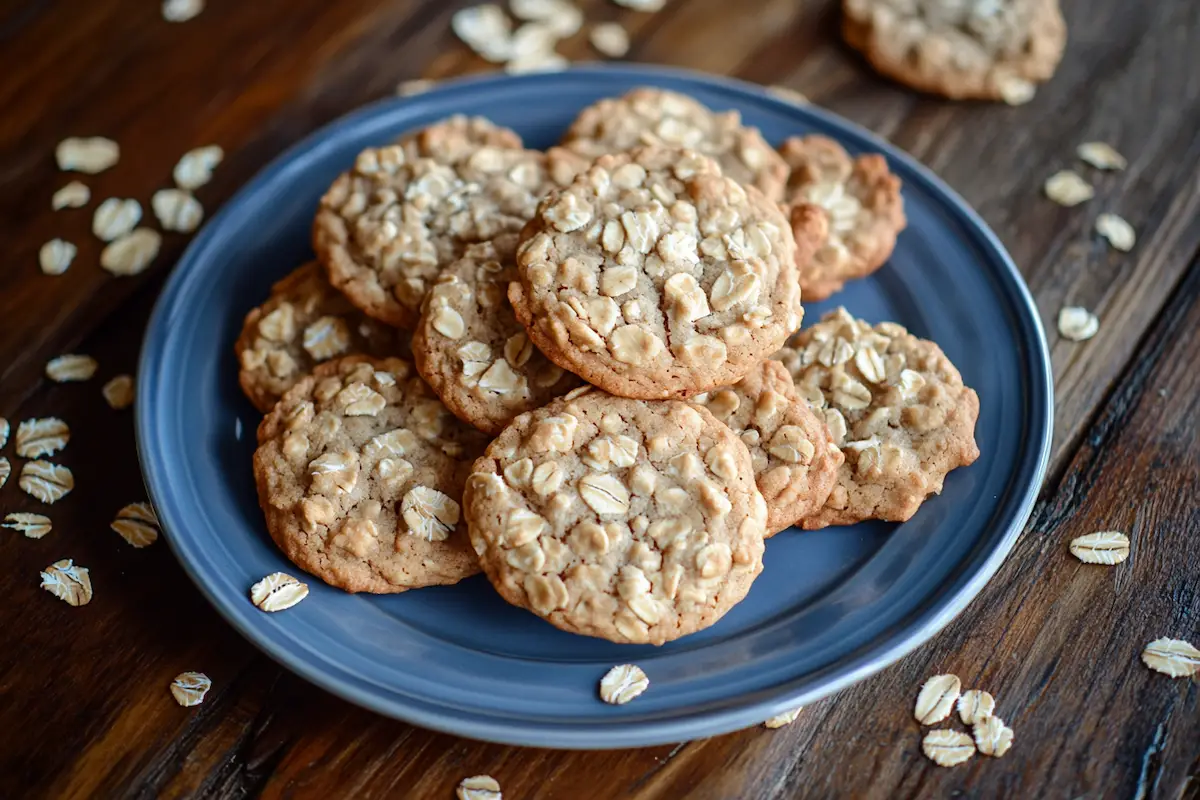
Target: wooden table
84	708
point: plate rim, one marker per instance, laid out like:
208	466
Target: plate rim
915	630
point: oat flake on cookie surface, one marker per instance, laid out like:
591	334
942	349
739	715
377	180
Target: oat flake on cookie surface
981	49
359	471
387	227
631	521
895	405
648	116
305	322
652	275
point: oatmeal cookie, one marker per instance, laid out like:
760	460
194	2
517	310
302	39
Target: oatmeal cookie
854	202
981	49
360	472
387	227
654	276
795	460
631	521
471	349
895	405
304	322
648	116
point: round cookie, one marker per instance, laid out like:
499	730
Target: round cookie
632	521
360	471
895	405
982	49
304	322
472	351
654	276
856	202
386	228
795	460
648	116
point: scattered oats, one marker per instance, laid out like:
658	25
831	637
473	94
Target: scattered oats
788	94
278	591
118	392
1173	657
1101	155
1016	91
34	526
137	523
4	430
189	688
115	217
5	471
479	787
42	436
91	154
131	254
415	86
56	256
786	718
642	5
947	748
486	29
71	367
975	706
1068	189
68	583
1077	324
177	210
622	683
1102	547
609	39
936	699
536	61
562	17
45	481
195	167
993	737
73	195
181	10
1118	232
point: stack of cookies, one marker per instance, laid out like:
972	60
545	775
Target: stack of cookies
579	370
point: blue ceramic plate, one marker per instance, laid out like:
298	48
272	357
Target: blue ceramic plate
830	608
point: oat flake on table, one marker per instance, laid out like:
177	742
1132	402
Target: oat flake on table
5	471
1117	231
5	428
45	481
1016	91
34	526
788	94
181	10
195	167
1068	189
137	524
132	253
642	5
73	195
992	736
68	582
478	787
1101	547
278	592
1173	657
55	256
622	683
537	62
42	436
415	86
786	718
177	210
1077	323
975	705
119	392
189	688
1101	155
486	29
115	217
936	699
90	154
946	748
71	367
609	39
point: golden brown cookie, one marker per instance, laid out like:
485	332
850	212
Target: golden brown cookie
304	322
628	520
895	405
795	460
360	472
648	116
855	203
982	49
472	351
653	276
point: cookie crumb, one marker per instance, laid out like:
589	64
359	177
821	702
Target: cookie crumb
278	592
119	392
90	155
478	787
1015	91
786	718
1101	156
975	706
56	256
133	253
68	582
936	699
137	524
1173	657
73	195
609	39
1119	233
189	688
34	526
993	737
946	748
1102	547
195	167
622	683
1077	323
71	367
1068	189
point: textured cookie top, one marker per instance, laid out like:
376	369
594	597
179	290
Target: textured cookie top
648	116
795	460
359	471
859	200
386	228
895	405
652	275
305	321
627	520
471	349
986	49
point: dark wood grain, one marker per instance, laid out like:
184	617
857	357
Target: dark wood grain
84	710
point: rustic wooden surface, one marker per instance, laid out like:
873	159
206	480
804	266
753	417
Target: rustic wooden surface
83	706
